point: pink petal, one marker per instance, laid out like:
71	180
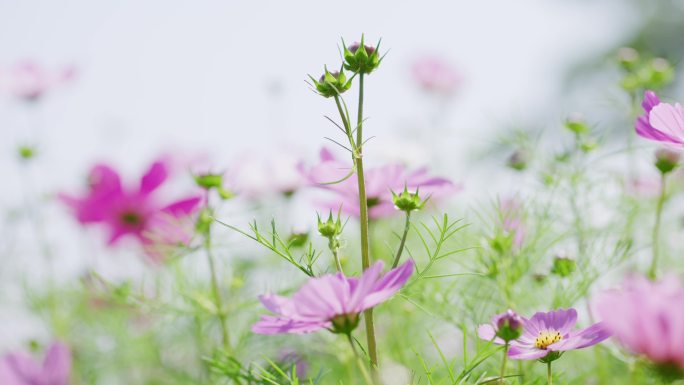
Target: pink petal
582	339
486	332
669	120
388	285
183	207
57	364
154	177
518	353
276	325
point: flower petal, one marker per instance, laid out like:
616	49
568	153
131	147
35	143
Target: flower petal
278	325
518	353
486	332
388	285
154	177
57	364
581	339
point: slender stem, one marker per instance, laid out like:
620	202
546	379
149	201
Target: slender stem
548	373
359	361
334	251
656	227
407	226
217	293
363	210
503	364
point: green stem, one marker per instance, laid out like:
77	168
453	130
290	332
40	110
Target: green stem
334	251
656	227
503	364
407	226
548	373
363	210
359	361
217	293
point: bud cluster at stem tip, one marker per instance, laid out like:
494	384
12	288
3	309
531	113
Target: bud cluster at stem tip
667	160
360	58
331	83
331	228
210	181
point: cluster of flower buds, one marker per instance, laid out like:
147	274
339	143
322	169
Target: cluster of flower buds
577	125
331	83
360	58
644	73
331	229
509	325
667	160
407	201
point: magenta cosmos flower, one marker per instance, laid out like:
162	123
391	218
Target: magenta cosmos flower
29	81
546	333
22	369
662	122
647	318
380	182
137	211
332	301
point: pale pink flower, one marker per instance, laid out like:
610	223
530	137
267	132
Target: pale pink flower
20	368
436	75
332	301
30	81
662	122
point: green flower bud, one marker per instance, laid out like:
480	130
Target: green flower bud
657	74
577	124
209	181
509	326
331	228
563	266
204	221
26	152
406	201
588	145
628	58
667	160
360	58
331	83
298	239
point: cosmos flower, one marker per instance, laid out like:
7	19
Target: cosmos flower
134	212
380	182
434	74
647	318
20	368
261	178
29	81
512	220
662	122
549	333
506	326
332	301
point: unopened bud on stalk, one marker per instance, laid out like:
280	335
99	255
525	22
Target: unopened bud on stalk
563	266
628	58
360	58
518	160
509	326
667	160
211	181
331	83
576	124
26	152
406	201
331	228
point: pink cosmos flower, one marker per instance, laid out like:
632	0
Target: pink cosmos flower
257	178
647	318
29	81
332	301
512	217
20	368
662	122
136	211
380	182
434	74
545	333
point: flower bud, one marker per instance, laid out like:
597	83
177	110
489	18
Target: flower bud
345	323
406	201
26	152
298	238
209	181
563	266
360	58
628	58
331	83
330	228
518	160
509	326
667	160
204	221
576	124
588	144
658	74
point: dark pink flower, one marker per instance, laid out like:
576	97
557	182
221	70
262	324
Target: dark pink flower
332	301
434	74
545	333
380	182
647	318
20	368
30	81
135	211
662	122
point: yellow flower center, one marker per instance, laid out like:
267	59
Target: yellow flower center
546	338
